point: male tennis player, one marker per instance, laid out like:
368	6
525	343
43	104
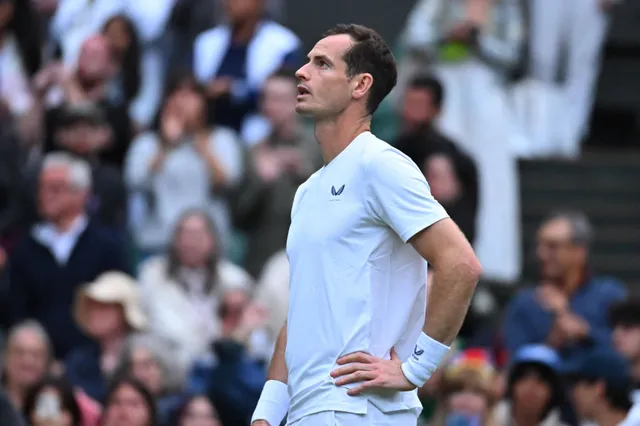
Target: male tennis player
356	344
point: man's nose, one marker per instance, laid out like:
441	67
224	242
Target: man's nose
301	74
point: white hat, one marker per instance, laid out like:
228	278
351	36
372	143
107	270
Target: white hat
112	287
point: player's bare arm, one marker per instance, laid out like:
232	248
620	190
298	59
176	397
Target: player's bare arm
457	271
277	374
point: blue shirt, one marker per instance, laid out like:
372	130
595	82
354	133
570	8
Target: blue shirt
527	322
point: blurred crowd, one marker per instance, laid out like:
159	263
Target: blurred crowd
149	156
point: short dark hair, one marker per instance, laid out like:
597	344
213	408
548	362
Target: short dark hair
369	54
626	313
68	400
618	398
431	84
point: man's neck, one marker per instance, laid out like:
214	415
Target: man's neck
571	281
611	418
335	134
242	32
64	224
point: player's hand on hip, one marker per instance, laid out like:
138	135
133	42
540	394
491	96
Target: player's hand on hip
374	372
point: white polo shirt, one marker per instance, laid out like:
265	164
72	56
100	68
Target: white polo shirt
355	283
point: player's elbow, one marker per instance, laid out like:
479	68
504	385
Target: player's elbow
470	269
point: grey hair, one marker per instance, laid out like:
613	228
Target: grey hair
581	229
79	169
31	325
161	350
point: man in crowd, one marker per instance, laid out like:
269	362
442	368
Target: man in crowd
61	253
421	141
600	388
625	319
568	309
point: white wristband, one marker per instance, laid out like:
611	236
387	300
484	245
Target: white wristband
273	403
426	356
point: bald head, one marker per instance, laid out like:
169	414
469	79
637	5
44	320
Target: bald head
95	63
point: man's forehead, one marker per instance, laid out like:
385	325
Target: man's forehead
332	46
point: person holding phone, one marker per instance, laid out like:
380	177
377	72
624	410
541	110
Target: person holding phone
52	403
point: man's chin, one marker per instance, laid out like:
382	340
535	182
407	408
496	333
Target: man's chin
303	110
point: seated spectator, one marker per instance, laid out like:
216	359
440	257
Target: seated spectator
108	310
233	373
183	165
20	51
82	130
568	309
234	60
52	402
89	81
466	392
182	290
535	392
625	320
129	403
442	173
421	139
61	253
288	156
601	382
138	81
198	411
25	360
152	361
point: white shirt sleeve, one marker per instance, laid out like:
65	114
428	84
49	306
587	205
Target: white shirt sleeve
399	195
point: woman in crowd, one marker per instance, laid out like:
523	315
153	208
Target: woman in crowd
534	391
129	403
197	411
108	310
182	290
138	79
26	360
466	395
52	402
184	164
151	360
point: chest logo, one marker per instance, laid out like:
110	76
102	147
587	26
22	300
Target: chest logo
337	192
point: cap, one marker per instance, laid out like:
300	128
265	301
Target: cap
538	354
601	364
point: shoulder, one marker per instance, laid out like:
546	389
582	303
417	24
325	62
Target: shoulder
232	276
523	299
610	286
147	139
208	36
382	162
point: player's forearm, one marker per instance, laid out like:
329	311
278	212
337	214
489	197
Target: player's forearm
278	368
449	299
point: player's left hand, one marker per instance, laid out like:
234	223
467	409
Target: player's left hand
376	373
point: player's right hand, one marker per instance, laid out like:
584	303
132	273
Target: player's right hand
260	423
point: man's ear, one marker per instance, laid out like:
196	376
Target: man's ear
362	85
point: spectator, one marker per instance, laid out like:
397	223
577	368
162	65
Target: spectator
152	361
26	360
88	82
601	384
182	290
625	319
234	372
184	165
129	403
20	51
138	81
82	130
281	163
8	414
107	310
535	391
466	393
198	411
443	174
420	140
235	60
61	253
568	309
474	45
52	401
12	199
